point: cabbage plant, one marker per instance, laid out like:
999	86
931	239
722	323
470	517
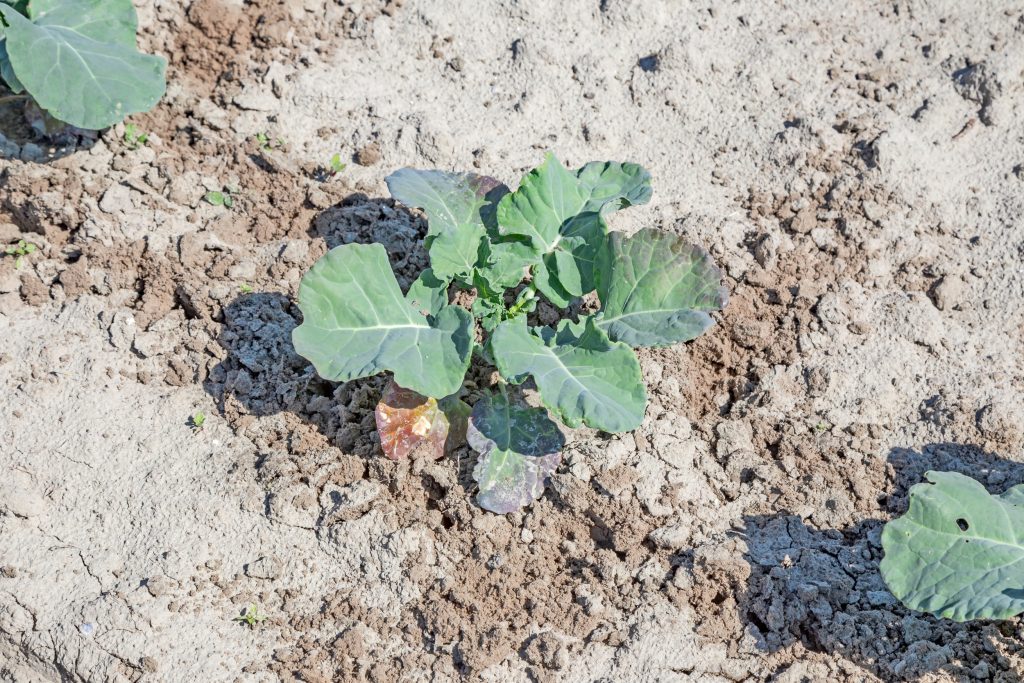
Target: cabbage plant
958	552
77	60
549	239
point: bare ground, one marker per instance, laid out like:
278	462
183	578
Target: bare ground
857	171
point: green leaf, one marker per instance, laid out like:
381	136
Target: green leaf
656	289
545	279
77	58
215	198
356	323
7	71
502	262
454	203
958	552
582	376
112	21
561	212
408	423
428	294
613	186
520	448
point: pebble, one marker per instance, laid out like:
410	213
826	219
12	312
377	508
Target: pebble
117	199
264	568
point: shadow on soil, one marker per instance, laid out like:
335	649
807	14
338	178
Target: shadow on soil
821	588
262	374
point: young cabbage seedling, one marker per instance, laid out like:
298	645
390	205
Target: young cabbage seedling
78	61
251	617
198	420
20	250
654	289
337	166
958	552
220	198
133	137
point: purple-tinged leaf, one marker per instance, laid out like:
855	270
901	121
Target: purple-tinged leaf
520	447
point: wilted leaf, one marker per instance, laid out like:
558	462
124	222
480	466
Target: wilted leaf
356	323
582	375
520	447
408	422
77	58
656	289
958	552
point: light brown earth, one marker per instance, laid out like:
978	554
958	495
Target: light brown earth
856	168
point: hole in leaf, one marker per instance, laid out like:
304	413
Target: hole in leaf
962	523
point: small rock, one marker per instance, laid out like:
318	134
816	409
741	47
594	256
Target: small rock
159	585
254	100
30	151
805	221
117	199
547	650
766	252
949	292
295	251
153	343
672	537
122	330
264	568
369	154
318	198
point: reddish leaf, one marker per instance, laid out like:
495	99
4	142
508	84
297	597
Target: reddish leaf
410	423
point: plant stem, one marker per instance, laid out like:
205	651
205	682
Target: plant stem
12	98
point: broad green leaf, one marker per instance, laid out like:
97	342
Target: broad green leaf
409	423
545	279
428	294
958	552
19	5
613	186
547	197
454	204
520	448
77	62
561	213
7	71
656	289
111	21
356	323
582	376
503	262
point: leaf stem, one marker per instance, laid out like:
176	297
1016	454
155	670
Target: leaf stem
12	98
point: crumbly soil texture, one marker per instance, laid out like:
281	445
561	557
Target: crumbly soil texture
857	170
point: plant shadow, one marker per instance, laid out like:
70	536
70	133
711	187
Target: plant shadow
820	589
261	374
19	140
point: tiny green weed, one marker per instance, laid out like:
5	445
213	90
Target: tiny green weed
133	137
20	250
245	288
220	198
198	420
251	617
337	166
